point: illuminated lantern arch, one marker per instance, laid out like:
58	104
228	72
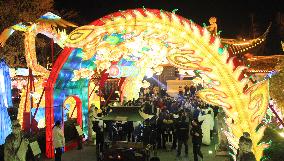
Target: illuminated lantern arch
144	40
75	110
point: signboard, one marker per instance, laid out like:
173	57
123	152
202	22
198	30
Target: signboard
35	148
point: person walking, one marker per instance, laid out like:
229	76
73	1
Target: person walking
146	133
192	90
182	136
129	130
100	140
180	91
196	134
159	130
58	140
176	121
207	125
167	130
186	90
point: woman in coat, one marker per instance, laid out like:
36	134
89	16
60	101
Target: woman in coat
58	140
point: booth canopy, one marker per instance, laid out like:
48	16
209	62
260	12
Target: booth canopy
126	113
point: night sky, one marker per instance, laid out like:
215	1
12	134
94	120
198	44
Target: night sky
234	17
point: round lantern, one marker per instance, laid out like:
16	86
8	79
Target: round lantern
114	71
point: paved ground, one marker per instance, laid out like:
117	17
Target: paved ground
88	154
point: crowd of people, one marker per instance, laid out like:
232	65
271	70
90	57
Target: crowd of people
174	119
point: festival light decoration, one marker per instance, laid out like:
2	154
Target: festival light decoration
45	25
154	36
272	112
70	108
19	80
5	101
25	102
240	46
70	84
117	71
40	116
186	72
94	99
82	73
12	72
270	74
149	73
149	38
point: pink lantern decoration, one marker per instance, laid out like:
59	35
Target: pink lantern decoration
114	71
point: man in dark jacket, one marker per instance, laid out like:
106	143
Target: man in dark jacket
182	135
167	128
244	152
192	90
159	130
129	129
99	138
186	90
147	108
146	133
196	134
176	121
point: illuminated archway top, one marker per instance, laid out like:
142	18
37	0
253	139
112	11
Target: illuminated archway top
142	40
145	39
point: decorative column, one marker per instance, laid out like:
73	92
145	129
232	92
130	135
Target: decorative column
5	101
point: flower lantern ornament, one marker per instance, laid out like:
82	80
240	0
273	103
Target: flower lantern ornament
114	38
